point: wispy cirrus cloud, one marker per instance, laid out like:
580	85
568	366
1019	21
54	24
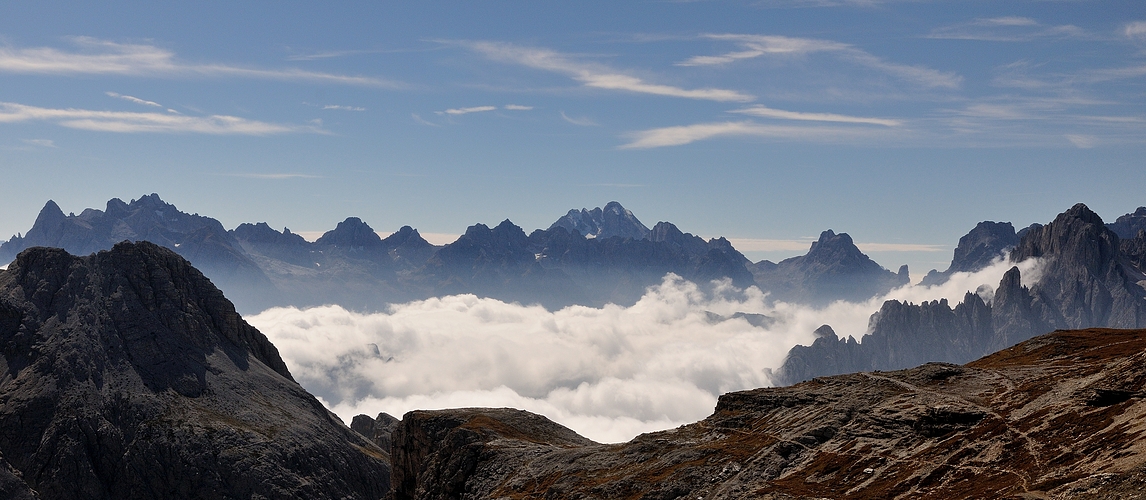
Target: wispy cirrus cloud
482	109
582	121
344	108
685	134
418	118
595	75
753	46
1006	29
829	3
102	57
132	122
271	176
43	143
134	99
466	111
766	112
759	45
1135	30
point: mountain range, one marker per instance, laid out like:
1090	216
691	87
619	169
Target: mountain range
587	257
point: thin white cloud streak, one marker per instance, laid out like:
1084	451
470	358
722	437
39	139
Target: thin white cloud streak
131	122
134	99
418	118
272	176
608	373
44	143
1082	141
686	134
344	108
767	112
102	57
517	107
1135	30
765	45
595	75
582	121
829	3
466	111
1005	29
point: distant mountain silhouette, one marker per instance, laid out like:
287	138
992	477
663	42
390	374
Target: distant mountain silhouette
613	221
202	240
588	257
833	269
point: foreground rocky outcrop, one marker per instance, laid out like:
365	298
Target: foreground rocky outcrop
1058	416
127	374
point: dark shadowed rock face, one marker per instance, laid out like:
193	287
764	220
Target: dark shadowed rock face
833	269
379	430
1059	416
1135	250
129	375
977	249
1085	281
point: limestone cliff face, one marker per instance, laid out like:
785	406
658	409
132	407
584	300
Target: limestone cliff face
1084	280
127	374
1059	416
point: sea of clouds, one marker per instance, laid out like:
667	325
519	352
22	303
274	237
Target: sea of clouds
609	373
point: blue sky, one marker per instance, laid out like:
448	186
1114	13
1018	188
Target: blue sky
900	123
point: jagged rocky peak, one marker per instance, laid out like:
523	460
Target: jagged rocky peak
1084	276
988	241
406	237
613	220
263	233
1077	234
832	247
839	255
1128	226
351	233
129	375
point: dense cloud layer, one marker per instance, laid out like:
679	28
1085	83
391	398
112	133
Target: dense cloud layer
608	373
